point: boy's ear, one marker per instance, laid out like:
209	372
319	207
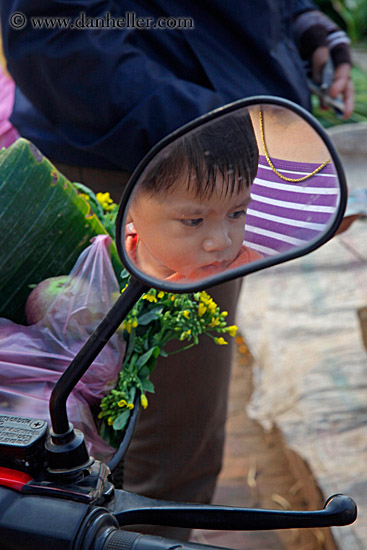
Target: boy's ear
130	213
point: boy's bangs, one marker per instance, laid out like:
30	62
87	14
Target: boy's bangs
203	179
225	150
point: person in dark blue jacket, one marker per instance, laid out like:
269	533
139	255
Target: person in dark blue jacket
102	98
95	100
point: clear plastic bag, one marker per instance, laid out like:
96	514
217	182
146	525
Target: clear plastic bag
32	358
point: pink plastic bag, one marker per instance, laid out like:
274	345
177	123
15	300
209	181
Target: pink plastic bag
8	133
32	358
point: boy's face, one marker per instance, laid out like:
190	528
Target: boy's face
180	232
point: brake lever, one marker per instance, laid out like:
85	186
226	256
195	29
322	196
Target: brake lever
129	509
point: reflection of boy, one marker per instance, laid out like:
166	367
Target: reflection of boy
187	217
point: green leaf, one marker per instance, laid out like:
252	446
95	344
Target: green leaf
129	366
103	432
150	316
124	277
152	363
144	372
121	421
156	352
143	359
132	394
46	222
147	385
131	344
97	207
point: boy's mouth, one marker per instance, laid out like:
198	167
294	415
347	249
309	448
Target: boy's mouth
215	267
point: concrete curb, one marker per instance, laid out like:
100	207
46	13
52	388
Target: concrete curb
350	139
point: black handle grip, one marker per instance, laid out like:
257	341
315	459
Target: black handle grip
125	540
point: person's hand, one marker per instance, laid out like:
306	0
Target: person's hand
341	83
320	39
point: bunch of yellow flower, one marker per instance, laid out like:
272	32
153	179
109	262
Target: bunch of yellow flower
105	201
102	205
157	318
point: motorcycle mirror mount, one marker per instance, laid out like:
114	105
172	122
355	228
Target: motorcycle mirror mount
66	449
245	187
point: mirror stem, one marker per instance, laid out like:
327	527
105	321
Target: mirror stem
88	353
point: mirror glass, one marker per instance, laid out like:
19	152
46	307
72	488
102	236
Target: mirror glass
253	183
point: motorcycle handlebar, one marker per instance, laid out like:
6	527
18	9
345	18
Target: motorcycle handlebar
126	540
63	524
338	510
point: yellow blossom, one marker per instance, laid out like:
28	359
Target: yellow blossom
105	201
201	309
130	406
149	298
134	323
186	314
110	421
127	326
160	294
232	330
212	306
103	197
214	322
109	206
143	401
122	403
220	341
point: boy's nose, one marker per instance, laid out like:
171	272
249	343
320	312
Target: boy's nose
219	240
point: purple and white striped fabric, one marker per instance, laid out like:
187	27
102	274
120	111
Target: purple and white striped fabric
283	215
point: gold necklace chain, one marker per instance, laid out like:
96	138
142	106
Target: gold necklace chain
294	180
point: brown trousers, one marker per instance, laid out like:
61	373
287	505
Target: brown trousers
176	452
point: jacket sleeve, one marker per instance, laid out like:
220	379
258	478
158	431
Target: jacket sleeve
300	6
109	92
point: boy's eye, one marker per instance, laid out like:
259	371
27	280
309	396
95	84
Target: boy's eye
192	222
237	214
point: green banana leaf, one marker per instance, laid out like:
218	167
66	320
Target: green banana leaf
44	225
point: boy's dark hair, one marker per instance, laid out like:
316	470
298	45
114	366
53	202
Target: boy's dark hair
225	146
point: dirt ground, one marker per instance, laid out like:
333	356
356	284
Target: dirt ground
260	472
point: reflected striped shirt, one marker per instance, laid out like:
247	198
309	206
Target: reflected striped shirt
283	215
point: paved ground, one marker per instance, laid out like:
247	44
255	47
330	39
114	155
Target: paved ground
256	473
